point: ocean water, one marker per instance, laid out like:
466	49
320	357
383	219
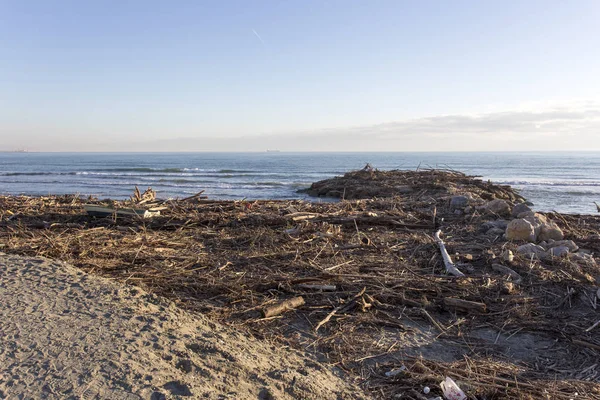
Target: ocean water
565	182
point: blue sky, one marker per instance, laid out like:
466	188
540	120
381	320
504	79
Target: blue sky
77	73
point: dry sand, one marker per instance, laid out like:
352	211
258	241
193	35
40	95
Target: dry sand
68	335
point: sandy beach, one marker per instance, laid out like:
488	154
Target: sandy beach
69	335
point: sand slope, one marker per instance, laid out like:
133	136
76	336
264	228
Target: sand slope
68	335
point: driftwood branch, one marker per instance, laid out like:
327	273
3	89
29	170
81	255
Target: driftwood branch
465	304
433	320
282	307
586	344
380	221
593	326
450	267
507	271
339	308
325	288
197	195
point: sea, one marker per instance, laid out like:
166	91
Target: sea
562	181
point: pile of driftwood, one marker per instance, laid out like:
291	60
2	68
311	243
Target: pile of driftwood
369	183
366	285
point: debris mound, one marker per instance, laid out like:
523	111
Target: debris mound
369	183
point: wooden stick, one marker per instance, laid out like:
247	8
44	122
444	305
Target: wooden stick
373	221
301	216
593	326
338	308
433	320
465	304
507	271
325	288
450	267
337	266
586	344
192	197
284	306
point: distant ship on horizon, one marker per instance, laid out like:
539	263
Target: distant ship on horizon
273	151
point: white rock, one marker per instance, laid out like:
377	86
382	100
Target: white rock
508	256
567	243
459	202
550	230
584	258
495	232
559	251
520	208
498	207
500	224
537	220
531	249
520	229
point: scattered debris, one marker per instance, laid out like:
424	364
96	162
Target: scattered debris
233	260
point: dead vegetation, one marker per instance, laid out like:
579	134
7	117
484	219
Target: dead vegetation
359	283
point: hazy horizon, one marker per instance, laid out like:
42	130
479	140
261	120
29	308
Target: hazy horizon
339	76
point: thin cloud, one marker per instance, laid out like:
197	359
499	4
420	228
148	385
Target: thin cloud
259	38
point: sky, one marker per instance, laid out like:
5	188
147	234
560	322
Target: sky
299	75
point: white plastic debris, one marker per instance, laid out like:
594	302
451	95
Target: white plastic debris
451	390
